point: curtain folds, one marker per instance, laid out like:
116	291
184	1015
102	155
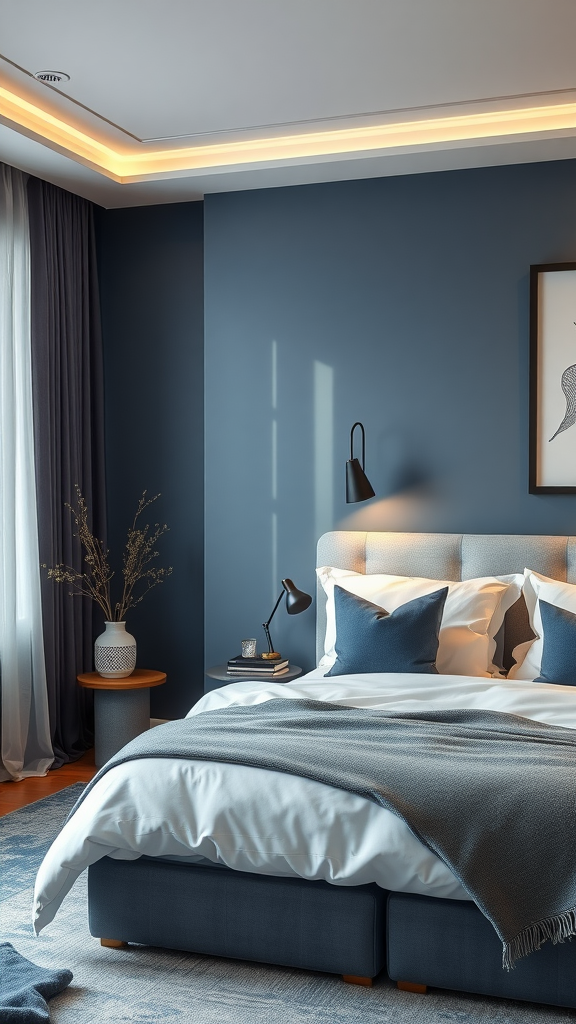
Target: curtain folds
25	747
69	439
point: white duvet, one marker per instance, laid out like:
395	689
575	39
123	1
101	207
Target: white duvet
264	821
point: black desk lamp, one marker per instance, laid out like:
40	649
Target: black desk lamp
358	486
296	601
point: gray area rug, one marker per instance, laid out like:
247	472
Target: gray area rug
142	985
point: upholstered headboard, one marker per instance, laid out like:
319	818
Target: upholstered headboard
448	556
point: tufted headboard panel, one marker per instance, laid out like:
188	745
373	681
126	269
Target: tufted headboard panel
448	556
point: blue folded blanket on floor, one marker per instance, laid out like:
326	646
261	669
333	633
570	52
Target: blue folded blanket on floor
25	987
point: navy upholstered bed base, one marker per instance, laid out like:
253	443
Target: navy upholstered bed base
450	944
286	921
348	930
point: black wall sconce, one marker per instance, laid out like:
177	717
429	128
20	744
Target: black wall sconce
358	486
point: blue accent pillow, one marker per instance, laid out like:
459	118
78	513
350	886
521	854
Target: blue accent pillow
558	645
368	639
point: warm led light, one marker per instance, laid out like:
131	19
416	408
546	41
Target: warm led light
48	128
144	164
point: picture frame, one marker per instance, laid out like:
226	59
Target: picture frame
552	378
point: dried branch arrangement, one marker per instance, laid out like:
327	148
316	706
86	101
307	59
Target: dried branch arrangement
139	575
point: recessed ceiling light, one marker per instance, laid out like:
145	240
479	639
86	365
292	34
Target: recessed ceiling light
52	77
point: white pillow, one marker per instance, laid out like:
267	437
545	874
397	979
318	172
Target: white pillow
528	656
473	613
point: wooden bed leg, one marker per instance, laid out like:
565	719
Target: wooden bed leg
113	943
354	979
411	986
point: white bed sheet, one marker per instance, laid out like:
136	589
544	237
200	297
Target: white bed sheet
270	822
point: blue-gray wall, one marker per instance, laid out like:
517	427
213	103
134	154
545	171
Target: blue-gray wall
401	302
150	263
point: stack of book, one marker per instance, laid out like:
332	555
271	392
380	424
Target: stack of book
256	668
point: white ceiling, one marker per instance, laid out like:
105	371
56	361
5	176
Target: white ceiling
185	73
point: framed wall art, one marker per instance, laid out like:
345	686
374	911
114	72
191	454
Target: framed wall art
553	378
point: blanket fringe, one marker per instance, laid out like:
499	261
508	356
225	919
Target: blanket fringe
555	929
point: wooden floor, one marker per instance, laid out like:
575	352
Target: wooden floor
19	794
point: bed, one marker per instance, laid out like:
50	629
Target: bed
229	861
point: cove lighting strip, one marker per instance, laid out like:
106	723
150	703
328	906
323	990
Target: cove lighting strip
129	165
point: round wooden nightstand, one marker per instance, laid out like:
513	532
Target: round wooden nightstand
121	708
219	672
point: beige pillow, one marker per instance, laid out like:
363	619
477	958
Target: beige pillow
473	613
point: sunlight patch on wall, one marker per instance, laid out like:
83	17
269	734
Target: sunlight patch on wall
274	469
323	448
274	473
274	560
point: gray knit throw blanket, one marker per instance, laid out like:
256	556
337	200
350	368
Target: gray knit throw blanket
493	795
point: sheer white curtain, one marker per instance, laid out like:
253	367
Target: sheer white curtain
25	747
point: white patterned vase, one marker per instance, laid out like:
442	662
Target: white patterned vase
115	652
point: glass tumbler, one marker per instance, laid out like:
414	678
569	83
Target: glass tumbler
249	648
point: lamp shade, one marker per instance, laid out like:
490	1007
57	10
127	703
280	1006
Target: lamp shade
296	600
358	486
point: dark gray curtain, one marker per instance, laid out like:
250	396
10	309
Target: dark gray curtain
69	438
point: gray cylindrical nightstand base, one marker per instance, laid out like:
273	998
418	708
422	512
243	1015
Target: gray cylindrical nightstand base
119	716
